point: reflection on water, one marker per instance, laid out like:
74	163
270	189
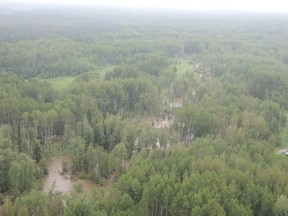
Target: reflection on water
62	183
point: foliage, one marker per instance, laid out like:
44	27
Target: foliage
179	114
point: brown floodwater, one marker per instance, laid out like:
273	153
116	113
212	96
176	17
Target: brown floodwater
62	183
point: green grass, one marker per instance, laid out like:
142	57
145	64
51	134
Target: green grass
103	70
183	66
61	83
284	136
283	139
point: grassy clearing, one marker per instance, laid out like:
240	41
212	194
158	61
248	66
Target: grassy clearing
284	136
61	83
283	139
183	66
103	70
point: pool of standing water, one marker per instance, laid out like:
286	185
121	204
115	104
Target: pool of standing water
62	183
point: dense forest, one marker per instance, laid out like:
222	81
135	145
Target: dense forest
166	113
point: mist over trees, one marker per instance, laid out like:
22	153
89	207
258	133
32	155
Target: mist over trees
176	114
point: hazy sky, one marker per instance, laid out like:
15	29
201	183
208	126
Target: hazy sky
250	5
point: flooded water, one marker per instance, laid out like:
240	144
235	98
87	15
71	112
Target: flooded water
62	183
163	123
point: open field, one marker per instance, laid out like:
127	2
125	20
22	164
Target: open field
61	83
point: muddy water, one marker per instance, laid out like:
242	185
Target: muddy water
88	185
62	183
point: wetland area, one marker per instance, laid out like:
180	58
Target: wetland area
63	183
